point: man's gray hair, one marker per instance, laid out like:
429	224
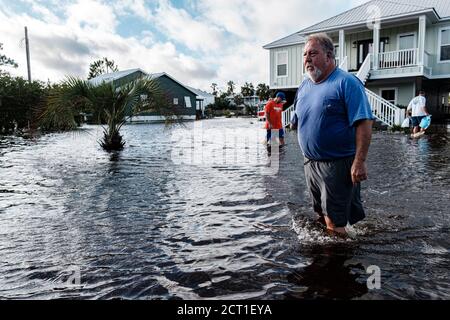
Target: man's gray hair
325	42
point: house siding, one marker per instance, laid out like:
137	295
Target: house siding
431	46
405	91
174	90
295	67
391	33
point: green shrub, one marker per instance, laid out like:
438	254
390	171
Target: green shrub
19	100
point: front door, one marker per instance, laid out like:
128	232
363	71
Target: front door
364	48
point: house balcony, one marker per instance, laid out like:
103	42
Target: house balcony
400	63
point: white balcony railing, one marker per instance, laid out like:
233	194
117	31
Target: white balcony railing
398	59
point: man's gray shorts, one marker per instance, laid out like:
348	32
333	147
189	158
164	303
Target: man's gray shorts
332	190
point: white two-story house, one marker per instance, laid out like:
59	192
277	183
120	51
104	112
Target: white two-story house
396	47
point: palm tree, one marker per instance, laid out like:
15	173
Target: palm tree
231	85
113	105
263	91
103	66
247	90
214	88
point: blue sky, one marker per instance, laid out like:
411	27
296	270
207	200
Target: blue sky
196	41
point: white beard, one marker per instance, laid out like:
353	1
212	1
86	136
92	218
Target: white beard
316	74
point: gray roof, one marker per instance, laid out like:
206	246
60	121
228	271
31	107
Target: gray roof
292	39
388	9
201	93
110	77
361	14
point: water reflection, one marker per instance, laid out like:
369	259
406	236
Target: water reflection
330	275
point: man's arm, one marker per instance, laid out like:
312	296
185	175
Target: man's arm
363	138
409	109
424	107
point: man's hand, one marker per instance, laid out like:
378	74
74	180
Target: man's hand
363	137
359	171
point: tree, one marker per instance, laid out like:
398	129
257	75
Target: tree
103	66
231	85
248	90
238	100
18	100
5	61
221	101
115	104
214	88
263	92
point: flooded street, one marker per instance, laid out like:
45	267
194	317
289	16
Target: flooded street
158	222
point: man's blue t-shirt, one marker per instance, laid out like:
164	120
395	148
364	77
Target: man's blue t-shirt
326	113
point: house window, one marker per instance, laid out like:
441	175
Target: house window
406	41
187	101
389	94
282	64
444	45
175	101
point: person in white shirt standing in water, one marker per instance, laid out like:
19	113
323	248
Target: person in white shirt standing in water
418	110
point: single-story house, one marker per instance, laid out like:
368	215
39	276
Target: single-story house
204	99
181	97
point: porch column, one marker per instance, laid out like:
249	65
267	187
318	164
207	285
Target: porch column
376	45
422	32
341	46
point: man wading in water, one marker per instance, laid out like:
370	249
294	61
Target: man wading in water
334	122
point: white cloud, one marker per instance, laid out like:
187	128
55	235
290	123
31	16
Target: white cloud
91	14
224	37
133	7
190	31
46	14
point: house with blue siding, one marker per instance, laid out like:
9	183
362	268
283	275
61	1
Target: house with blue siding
396	48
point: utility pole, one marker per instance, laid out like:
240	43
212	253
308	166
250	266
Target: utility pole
27	44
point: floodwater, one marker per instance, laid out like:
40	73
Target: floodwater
199	213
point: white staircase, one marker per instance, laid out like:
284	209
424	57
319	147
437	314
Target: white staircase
287	115
344	64
382	109
385	111
364	72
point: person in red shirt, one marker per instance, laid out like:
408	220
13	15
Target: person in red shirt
274	114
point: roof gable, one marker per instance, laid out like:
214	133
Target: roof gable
290	40
162	74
